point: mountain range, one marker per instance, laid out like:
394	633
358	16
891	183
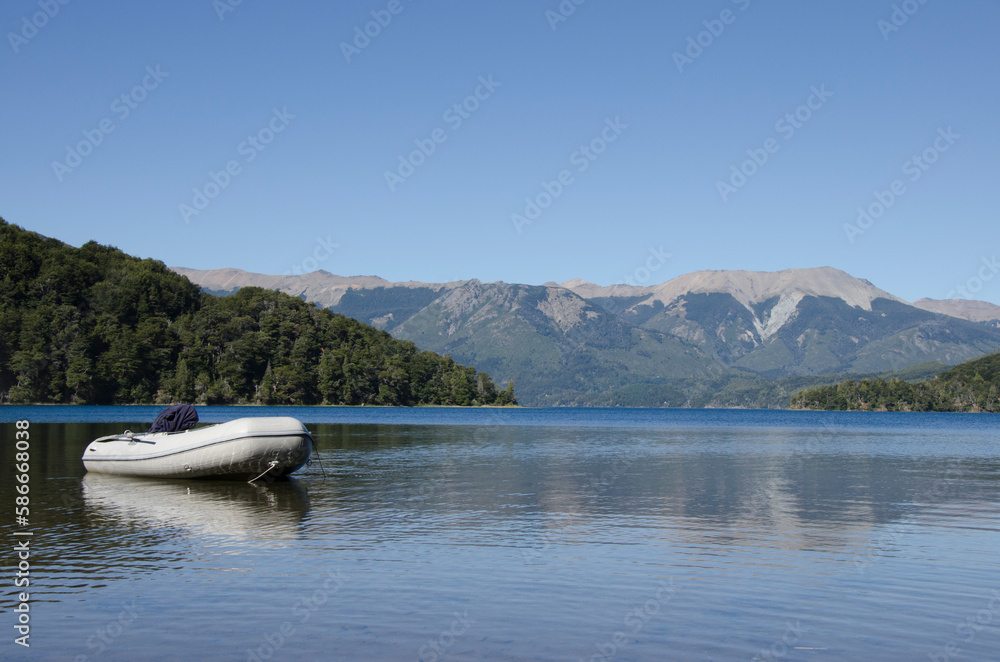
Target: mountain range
708	338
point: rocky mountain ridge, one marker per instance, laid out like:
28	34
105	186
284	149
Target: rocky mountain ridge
676	343
974	311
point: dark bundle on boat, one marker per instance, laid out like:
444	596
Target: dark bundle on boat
175	418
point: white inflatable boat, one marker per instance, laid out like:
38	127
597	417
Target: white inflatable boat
247	448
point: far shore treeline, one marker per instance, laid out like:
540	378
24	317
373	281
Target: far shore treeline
93	325
968	387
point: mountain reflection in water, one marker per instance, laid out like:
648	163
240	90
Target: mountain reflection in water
534	534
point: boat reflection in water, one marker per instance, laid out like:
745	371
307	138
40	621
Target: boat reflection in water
220	510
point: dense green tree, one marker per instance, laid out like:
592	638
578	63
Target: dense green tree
96	326
971	386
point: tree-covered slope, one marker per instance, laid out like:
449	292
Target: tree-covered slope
93	325
560	348
384	307
971	387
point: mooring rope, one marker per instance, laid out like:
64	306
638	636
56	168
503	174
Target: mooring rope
318	460
315	456
270	466
321	467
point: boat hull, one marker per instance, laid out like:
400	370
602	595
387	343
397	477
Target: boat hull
247	448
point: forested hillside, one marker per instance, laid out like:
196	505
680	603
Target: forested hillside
93	325
969	387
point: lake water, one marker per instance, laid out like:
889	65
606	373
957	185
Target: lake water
566	534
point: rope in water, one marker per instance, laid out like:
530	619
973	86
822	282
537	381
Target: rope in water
319	462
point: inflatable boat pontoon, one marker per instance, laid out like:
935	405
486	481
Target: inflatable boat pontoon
247	448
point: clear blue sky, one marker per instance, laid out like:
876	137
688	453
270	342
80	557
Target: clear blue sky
200	77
